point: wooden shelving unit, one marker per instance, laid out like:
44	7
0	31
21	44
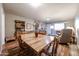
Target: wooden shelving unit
19	26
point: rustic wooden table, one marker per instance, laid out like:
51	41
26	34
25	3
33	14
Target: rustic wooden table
37	44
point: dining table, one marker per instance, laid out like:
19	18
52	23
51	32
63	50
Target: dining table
37	44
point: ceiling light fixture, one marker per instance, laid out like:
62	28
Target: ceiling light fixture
35	4
47	18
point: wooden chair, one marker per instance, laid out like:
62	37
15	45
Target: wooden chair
66	40
66	36
9	39
22	45
51	49
55	46
10	48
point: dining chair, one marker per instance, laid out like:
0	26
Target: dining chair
51	49
22	44
10	48
66	36
23	47
66	39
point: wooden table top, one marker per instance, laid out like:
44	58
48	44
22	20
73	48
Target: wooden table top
37	43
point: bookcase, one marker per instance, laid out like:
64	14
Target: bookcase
19	26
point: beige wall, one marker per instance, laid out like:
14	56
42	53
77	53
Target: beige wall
2	28
70	23
10	23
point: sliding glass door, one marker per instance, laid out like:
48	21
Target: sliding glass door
77	29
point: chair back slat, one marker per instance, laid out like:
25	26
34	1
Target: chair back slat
18	37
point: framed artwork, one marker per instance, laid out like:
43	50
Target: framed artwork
29	26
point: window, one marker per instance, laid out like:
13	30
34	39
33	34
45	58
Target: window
77	29
77	26
54	29
59	26
77	23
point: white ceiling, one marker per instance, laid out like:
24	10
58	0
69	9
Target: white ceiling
56	12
